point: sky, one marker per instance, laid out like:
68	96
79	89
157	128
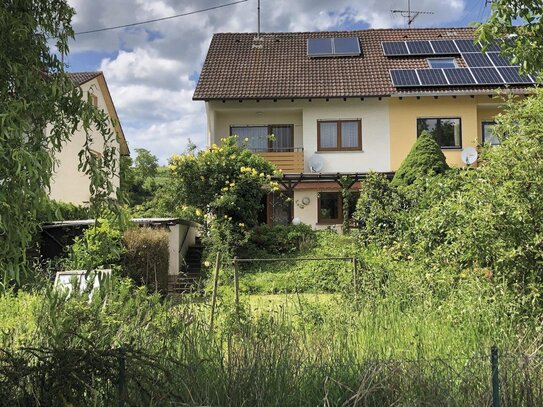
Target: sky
152	69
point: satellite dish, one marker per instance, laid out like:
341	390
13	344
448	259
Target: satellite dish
469	155
316	163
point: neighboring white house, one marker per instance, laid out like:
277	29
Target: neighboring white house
348	102
68	183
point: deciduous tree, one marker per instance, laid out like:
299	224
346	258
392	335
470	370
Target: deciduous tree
39	110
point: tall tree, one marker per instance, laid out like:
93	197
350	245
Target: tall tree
518	23
146	164
39	110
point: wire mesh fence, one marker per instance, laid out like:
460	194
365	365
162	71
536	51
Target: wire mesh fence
81	377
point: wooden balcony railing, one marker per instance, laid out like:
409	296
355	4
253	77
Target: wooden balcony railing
288	160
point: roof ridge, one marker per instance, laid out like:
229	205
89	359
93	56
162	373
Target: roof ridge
348	31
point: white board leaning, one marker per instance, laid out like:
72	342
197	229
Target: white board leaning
68	280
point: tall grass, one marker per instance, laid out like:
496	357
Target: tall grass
374	351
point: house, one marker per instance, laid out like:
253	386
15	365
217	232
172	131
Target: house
348	102
68	183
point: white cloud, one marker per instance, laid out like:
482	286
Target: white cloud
149	76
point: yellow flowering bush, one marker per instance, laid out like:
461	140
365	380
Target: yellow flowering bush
227	182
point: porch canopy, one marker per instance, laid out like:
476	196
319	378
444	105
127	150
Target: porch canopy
344	179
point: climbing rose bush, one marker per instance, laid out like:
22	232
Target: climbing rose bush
225	185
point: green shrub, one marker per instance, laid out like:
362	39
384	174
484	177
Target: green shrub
425	158
69	211
99	247
145	257
380	210
279	239
59	211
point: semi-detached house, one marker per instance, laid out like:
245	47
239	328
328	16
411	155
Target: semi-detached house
350	102
68	183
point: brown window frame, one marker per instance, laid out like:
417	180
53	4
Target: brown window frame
271	149
339	201
338	132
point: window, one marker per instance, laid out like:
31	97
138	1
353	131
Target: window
446	131
260	137
330	208
441	63
93	99
488	134
339	135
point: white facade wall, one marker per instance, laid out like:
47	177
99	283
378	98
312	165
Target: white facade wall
373	113
304	115
68	184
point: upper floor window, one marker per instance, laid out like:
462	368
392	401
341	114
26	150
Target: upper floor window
338	135
488	134
446	131
442	63
93	99
274	137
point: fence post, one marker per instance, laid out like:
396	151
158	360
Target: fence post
122	376
355	276
495	377
214	295
236	282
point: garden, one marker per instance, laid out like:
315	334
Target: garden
434	299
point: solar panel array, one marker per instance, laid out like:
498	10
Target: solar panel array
333	47
491	68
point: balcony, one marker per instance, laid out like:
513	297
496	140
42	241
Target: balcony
289	160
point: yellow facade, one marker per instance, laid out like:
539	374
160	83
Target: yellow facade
405	111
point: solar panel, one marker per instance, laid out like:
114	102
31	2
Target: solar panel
497	59
487	76
476	59
512	76
392	48
319	47
467	46
419	48
432	77
459	76
493	48
404	77
346	46
444	47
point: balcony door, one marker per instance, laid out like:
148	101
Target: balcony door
274	138
280	208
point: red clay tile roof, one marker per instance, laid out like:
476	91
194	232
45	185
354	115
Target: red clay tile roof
79	78
281	69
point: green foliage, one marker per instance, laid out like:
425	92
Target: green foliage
300	352
522	42
145	257
69	211
226	181
424	159
146	164
226	184
267	240
334	276
380	210
492	221
38	95
99	247
139	177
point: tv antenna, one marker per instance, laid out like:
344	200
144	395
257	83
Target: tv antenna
410	15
